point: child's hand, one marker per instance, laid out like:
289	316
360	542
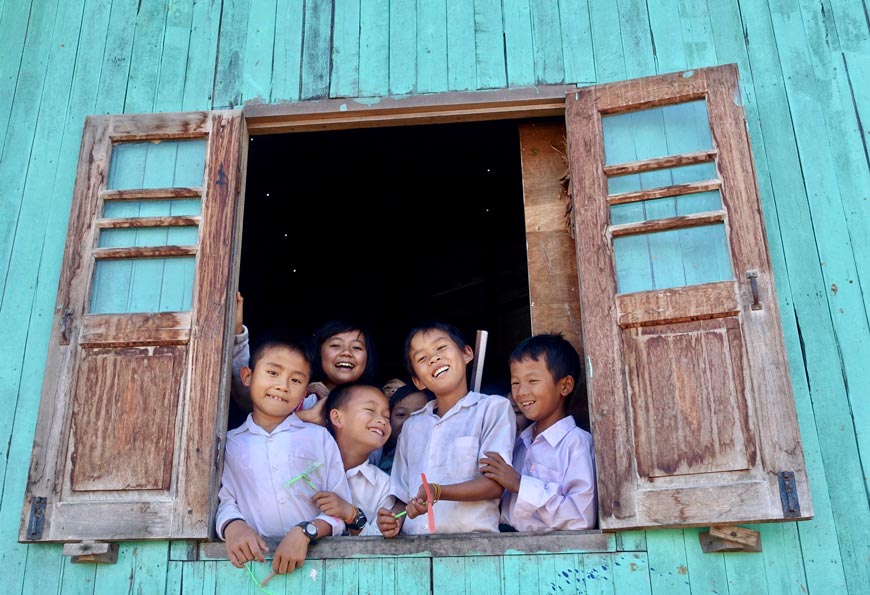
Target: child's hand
388	524
243	544
240	307
291	552
334	505
494	467
319	389
417	505
315	414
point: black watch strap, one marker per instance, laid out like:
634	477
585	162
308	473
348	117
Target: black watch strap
310	530
359	521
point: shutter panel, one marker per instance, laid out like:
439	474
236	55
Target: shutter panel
693	414
128	430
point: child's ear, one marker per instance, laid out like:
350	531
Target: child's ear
246	374
566	386
468	354
417	383
335	418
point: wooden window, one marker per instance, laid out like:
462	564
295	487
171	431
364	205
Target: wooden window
691	406
130	423
690	398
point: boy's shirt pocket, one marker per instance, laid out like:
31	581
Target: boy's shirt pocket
544	473
461	464
305	473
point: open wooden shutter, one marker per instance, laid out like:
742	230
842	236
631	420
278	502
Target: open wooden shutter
692	408
127	439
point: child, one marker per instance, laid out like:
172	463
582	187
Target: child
343	353
391	385
269	462
358	417
551	485
405	400
445	439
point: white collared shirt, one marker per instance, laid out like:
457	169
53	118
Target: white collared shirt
369	491
447	449
557	489
258	465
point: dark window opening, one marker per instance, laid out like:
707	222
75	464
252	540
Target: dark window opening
390	226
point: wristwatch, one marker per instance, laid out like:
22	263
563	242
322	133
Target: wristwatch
310	530
359	521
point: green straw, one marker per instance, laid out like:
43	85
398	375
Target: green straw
250	569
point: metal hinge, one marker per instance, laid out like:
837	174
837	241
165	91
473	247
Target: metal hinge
37	517
791	507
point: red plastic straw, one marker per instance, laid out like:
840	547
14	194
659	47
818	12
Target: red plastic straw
429	503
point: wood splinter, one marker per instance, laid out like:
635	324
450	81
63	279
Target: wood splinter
730	539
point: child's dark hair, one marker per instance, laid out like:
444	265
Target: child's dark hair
561	358
335	327
338	398
292	343
407	390
451	331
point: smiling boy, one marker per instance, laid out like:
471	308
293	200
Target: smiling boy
551	484
269	462
445	439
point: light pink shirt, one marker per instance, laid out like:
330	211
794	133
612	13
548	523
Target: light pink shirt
257	466
557	489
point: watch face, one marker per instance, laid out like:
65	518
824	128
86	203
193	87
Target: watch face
310	530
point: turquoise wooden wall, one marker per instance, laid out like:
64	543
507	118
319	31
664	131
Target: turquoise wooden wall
805	65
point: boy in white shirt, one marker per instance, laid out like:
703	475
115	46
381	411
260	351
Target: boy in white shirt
551	485
358	417
444	440
271	462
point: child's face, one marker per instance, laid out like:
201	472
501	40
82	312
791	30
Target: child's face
403	410
364	418
277	383
538	396
391	386
344	356
438	362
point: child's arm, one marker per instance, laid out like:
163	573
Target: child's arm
334	505
243	543
480	488
567	503
291	552
241	358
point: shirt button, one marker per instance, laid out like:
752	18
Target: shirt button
281	500
269	438
274	467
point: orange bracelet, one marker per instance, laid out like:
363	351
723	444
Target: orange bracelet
352	515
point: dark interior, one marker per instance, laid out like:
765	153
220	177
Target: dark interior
389	226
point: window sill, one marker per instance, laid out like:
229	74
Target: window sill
465	544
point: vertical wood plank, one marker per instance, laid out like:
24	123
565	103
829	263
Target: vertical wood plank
519	44
173	580
229	70
344	79
448	576
631	573
15	24
598	574
636	39
783	560
705	572
259	50
461	68
202	56
483	575
549	64
316	50
116	58
43	571
668	37
432	76
174	58
403	46
77	579
146	56
287	65
374	51
607	41
414	576
489	44
697	35
667	562
577	49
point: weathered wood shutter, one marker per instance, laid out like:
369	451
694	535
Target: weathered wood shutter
693	413
127	439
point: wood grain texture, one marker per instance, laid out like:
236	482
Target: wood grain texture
695	302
